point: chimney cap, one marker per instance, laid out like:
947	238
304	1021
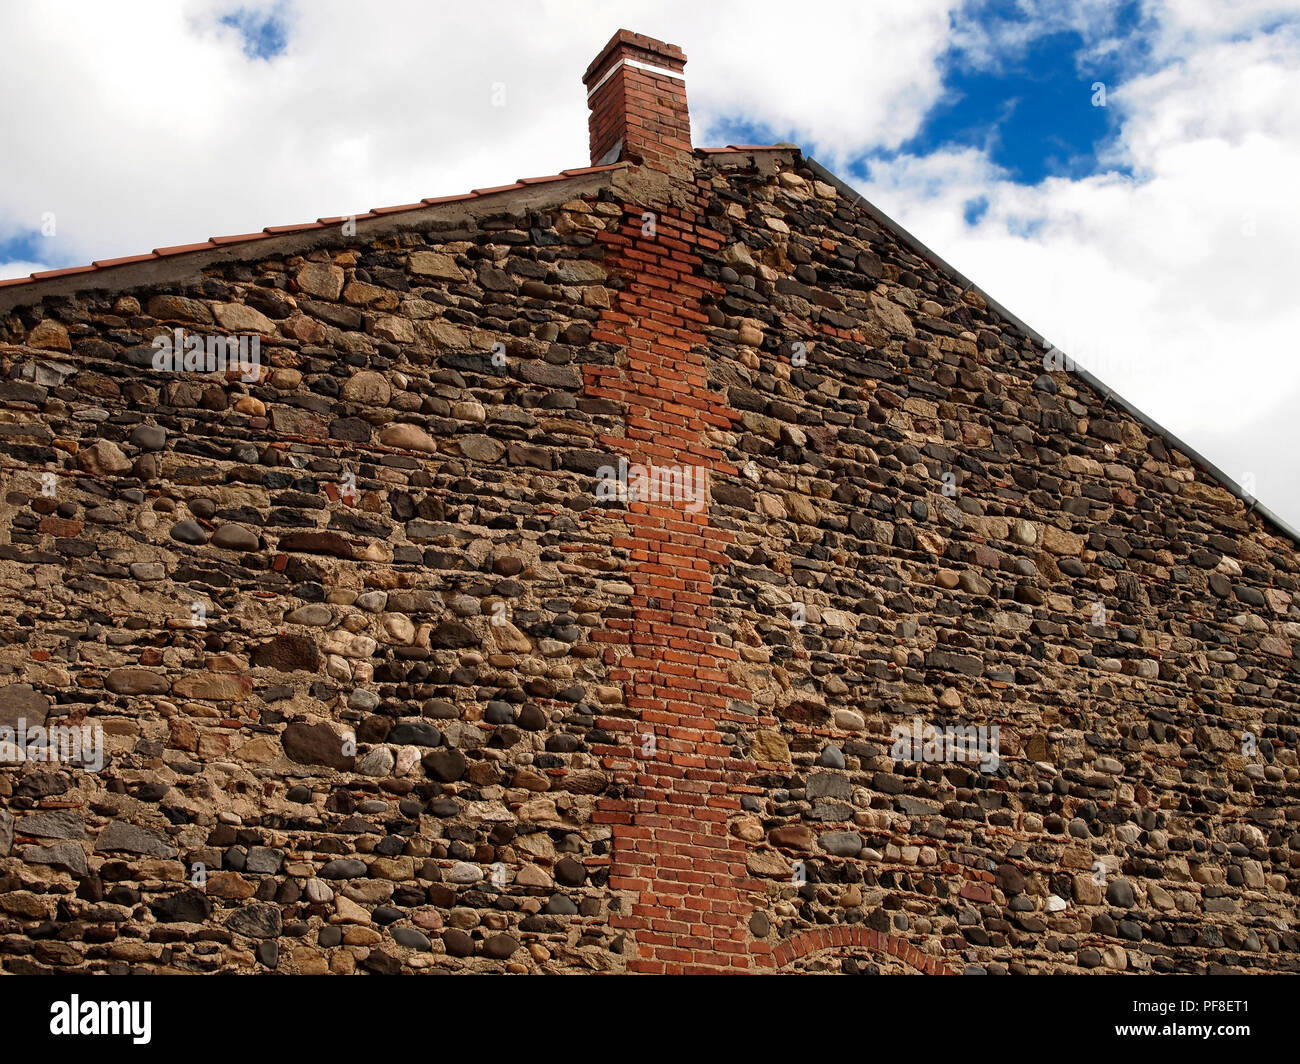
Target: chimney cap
625	41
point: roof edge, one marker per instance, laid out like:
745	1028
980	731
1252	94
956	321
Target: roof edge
156	267
1253	505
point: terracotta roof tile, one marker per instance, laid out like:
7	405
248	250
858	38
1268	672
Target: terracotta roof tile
275	230
579	171
241	239
103	264
540	180
45	274
448	199
398	210
181	249
497	188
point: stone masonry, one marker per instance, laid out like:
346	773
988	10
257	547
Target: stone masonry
386	684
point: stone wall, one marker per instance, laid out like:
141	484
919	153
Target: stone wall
447	710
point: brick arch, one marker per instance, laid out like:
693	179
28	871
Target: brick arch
823	938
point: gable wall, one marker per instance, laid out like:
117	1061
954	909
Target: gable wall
766	817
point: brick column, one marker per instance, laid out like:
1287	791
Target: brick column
673	860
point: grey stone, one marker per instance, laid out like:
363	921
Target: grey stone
463	872
21	701
132	838
831	811
378	762
1119	892
54	824
189	532
149	437
841	843
263	860
828	785
234	537
66	855
412	939
132	681
343	868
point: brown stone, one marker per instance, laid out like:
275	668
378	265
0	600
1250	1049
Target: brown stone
315	744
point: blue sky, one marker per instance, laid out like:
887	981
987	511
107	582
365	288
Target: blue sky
265	33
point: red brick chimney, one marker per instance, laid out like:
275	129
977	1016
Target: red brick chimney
636	90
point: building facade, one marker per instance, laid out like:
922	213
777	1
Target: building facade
667	565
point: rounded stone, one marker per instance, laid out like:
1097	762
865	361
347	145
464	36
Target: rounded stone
457	943
463	872
189	532
500	947
234	537
367	387
412	939
570	872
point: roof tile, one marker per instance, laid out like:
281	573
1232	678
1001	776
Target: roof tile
277	229
242	238
181	249
398	210
103	264
449	199
497	188
46	274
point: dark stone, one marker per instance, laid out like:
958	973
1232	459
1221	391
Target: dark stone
415	734
500	947
1119	892
315	744
412	939
256	920
445	764
569	872
452	635
378	962
187	907
457	943
343	868
189	532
